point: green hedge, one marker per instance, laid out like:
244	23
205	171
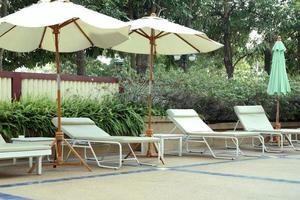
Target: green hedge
211	94
33	117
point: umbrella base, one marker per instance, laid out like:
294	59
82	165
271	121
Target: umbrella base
58	161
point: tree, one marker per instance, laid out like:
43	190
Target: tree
228	22
3	12
114	8
270	19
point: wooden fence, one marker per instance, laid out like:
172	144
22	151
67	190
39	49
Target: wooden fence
19	85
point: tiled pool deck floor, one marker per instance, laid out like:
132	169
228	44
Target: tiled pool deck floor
276	176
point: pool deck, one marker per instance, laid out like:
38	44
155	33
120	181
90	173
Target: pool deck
275	176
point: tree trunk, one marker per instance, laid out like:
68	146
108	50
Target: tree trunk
183	62
141	63
3	13
268	60
227	42
133	61
80	62
131	16
298	50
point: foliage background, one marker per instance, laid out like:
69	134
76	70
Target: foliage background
211	94
32	117
201	85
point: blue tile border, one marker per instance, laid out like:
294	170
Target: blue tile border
215	163
11	197
149	169
238	176
181	168
76	178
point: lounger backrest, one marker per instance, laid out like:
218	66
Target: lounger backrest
188	121
253	118
80	128
2	141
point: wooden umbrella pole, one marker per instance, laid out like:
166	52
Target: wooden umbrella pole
59	136
149	131
277	123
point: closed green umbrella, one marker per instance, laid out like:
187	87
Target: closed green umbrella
278	82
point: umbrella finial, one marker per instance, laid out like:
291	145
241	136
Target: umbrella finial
153	15
278	38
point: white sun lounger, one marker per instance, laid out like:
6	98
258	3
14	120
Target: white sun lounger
14	151
85	134
188	121
253	118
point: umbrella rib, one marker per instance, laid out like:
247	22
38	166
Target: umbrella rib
8	30
161	34
42	39
142	33
85	35
204	37
68	22
187	43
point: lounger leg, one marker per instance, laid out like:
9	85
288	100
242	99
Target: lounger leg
39	165
158	148
289	139
208	146
129	153
133	154
180	147
262	141
105	166
281	142
222	157
30	161
135	157
159	152
237	147
162	147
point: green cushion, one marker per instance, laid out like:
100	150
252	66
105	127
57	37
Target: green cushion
249	109
182	113
253	118
188	120
74	121
85	129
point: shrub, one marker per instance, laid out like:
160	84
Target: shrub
33	117
211	94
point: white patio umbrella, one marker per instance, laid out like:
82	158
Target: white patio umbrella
59	26
154	35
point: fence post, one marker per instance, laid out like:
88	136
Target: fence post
16	82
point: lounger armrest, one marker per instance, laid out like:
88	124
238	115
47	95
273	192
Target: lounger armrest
270	132
295	131
200	132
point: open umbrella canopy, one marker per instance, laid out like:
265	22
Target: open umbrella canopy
79	28
154	35
170	38
278	82
60	26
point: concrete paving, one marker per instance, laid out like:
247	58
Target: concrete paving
190	177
